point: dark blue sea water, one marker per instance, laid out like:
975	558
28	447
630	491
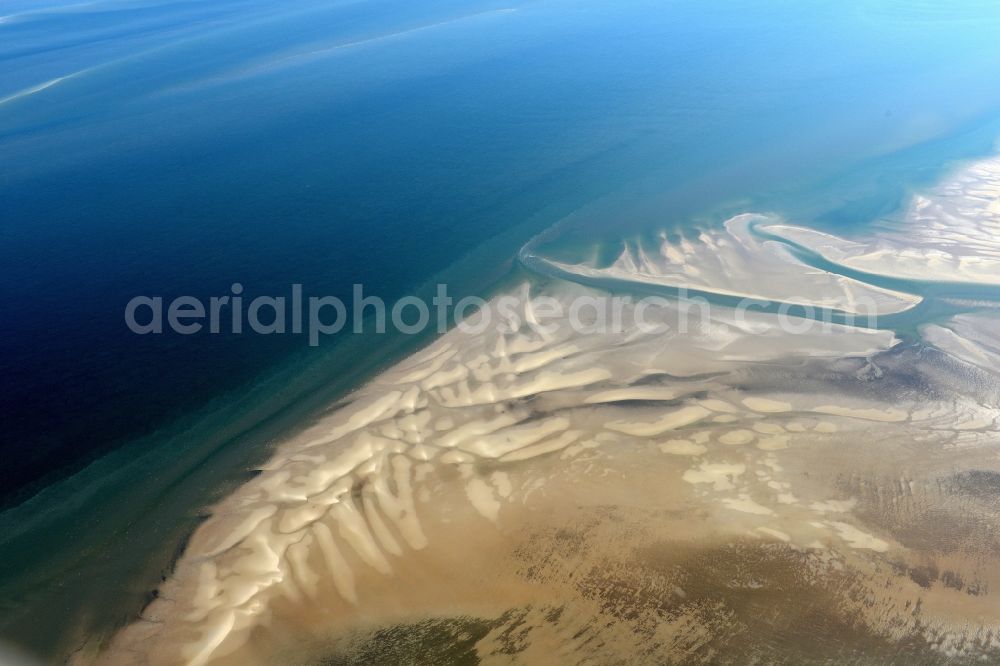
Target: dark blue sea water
174	148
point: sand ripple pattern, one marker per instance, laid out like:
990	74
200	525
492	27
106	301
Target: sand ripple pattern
529	491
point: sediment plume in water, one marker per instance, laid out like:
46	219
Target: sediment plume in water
729	491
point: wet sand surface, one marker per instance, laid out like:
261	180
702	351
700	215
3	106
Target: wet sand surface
731	492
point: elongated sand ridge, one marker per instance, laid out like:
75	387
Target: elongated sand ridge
737	491
948	234
736	262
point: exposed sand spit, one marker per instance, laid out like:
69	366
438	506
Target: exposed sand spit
734	492
434	496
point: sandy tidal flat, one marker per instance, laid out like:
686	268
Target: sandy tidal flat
730	494
948	234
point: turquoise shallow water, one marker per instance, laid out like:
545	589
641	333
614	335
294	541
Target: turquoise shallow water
175	148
